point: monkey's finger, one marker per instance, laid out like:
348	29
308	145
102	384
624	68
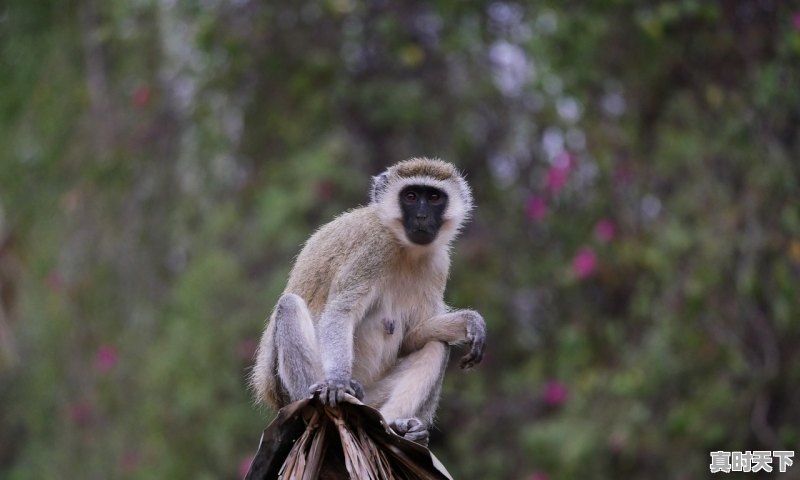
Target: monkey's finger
323	394
477	349
315	389
331	396
415	430
355	389
469	360
466	362
417	437
415	424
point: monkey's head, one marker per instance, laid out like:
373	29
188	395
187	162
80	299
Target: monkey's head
423	201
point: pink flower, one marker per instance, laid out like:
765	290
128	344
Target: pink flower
623	176
244	465
54	281
558	174
536	208
584	263
796	21
106	358
130	461
142	96
604	230
555	393
539	476
80	413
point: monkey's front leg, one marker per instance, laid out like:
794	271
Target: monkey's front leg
456	327
335	337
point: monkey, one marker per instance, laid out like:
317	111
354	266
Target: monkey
363	311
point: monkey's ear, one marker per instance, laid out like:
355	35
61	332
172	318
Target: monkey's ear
379	183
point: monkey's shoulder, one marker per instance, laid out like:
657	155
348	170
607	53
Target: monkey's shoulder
355	241
358	231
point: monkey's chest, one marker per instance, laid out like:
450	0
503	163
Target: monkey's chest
379	336
377	343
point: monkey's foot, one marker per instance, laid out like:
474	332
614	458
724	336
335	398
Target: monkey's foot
411	429
331	392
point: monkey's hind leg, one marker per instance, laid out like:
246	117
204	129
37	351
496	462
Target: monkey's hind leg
299	363
407	397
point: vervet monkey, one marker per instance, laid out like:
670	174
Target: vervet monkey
363	311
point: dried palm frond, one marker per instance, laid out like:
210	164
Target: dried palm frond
308	441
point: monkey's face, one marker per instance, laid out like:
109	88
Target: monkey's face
423	210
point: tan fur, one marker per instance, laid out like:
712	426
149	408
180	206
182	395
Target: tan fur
354	276
424	167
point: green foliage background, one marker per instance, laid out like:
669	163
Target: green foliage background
635	250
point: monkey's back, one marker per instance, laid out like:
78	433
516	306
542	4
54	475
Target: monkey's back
348	239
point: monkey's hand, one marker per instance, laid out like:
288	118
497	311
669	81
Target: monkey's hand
411	429
476	338
331	391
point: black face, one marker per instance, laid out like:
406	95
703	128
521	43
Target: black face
422	208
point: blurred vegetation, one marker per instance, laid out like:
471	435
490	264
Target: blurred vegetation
635	251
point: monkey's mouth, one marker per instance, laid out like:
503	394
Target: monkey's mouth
421	236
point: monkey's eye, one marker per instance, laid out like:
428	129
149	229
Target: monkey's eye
410	197
438	198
